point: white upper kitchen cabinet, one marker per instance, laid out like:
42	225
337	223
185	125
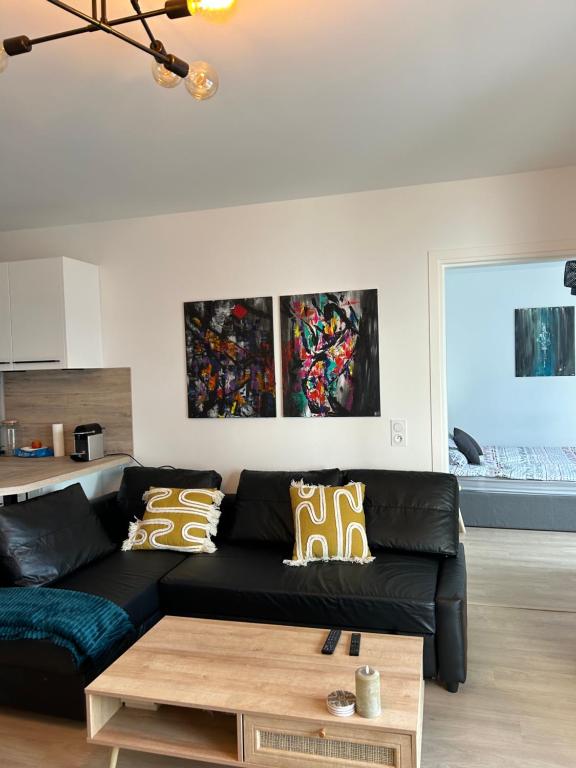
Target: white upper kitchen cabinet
5	332
55	314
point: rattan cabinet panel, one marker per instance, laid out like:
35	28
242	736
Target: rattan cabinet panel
279	743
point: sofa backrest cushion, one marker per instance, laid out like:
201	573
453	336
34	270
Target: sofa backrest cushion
50	536
263	511
410	511
137	480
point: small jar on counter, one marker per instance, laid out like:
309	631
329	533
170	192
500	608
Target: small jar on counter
9	439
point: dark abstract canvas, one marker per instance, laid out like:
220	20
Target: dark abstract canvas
330	357
230	358
545	341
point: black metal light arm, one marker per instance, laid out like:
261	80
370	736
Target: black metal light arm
94	28
136	6
101	25
22	44
17	47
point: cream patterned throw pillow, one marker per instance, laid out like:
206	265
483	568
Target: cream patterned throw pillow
329	523
181	519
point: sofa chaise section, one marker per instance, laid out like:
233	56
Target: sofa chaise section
36	674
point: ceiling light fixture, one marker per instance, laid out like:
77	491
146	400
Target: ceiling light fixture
168	70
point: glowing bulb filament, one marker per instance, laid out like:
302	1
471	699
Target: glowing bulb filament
195	6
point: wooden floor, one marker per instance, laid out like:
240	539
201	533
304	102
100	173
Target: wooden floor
518	709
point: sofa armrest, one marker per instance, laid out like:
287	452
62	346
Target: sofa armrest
106	508
451	620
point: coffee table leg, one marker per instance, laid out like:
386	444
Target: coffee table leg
114	757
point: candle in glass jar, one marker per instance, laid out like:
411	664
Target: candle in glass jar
368	703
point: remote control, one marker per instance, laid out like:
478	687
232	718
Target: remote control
355	644
331	642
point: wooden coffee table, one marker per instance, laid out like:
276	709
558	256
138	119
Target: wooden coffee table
230	693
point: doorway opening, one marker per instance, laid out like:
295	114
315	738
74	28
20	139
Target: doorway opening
504	386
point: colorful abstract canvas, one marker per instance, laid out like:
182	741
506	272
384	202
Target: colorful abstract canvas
545	341
230	358
330	357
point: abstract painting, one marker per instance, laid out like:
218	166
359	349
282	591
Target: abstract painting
545	341
230	358
330	358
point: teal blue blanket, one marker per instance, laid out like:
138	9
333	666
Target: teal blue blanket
87	625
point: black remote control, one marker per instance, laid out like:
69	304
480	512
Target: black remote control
331	642
355	644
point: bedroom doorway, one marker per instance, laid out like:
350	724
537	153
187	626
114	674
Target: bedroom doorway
502	361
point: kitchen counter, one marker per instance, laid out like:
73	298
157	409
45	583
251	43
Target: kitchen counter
25	475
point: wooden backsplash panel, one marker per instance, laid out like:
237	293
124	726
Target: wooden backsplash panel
39	399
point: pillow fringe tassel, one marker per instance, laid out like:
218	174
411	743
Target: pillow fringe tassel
132	531
358	560
213	518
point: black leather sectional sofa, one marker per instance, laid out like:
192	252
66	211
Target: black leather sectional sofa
415	586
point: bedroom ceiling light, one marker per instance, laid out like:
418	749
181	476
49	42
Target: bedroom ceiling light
167	70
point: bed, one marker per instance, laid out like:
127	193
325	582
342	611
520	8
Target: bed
519	463
523	487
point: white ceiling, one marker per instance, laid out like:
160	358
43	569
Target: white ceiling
317	97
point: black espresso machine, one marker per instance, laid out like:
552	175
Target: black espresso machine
88	442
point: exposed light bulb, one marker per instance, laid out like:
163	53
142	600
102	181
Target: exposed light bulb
163	76
196	6
202	81
4	59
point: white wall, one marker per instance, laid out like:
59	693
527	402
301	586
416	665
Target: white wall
484	396
369	240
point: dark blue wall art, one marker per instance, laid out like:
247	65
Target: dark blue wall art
545	341
230	358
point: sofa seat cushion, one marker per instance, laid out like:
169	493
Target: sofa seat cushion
129	579
395	593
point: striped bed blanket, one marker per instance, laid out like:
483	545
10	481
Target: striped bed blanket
518	463
87	625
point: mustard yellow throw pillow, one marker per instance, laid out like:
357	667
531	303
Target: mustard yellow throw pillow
181	519
329	523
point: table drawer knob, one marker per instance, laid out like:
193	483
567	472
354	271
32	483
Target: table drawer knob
322	733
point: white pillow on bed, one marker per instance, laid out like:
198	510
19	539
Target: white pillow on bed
456	458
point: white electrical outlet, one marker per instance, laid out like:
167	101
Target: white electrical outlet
398	433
